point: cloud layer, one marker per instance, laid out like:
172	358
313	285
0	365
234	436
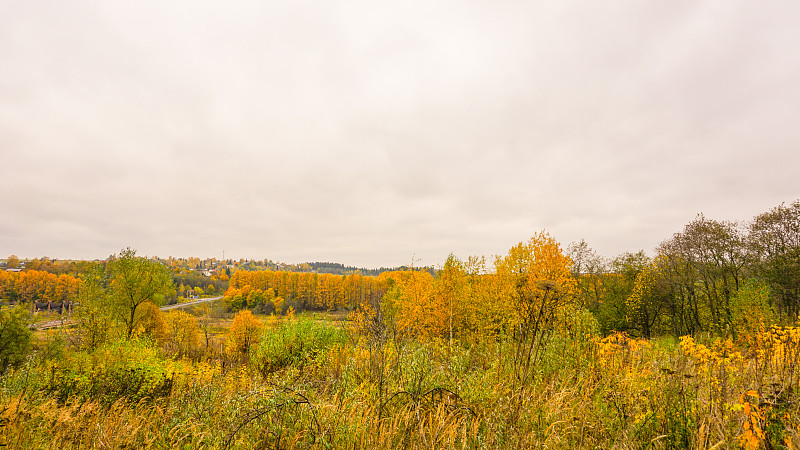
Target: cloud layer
371	134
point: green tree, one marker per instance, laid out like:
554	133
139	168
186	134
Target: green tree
646	307
134	281
15	336
607	293
95	314
774	240
12	262
703	266
751	312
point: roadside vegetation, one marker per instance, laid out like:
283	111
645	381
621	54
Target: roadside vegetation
543	347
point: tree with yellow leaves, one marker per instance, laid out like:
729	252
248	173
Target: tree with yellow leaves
150	321
450	292
244	333
416	311
535	281
181	334
535	285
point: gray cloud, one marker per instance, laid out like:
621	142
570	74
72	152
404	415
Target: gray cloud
369	133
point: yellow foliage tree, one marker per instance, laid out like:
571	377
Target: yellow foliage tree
534	280
151	320
535	284
645	306
244	333
482	315
278	303
181	333
450	290
418	312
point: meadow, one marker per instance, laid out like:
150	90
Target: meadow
308	382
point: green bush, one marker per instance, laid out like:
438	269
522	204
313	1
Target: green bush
295	342
126	369
15	336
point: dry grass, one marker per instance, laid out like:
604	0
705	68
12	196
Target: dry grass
616	392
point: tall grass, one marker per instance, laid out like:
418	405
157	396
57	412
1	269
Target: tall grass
315	385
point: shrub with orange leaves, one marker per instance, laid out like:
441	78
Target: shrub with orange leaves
753	433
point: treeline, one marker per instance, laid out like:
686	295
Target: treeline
45	264
465	299
190	276
48	280
341	269
720	277
313	267
38	286
713	276
199	284
276	291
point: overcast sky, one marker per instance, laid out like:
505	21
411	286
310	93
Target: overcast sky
373	132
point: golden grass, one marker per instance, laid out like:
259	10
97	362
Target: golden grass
616	392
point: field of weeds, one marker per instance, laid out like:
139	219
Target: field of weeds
311	383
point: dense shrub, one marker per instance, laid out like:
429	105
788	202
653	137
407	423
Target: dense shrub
296	341
130	369
15	337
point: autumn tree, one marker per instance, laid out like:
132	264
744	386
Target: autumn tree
704	266
589	270
535	278
12	262
450	292
244	333
7	291
536	284
304	290
483	314
67	288
418	313
774	241
181	333
36	286
95	316
151	321
134	281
